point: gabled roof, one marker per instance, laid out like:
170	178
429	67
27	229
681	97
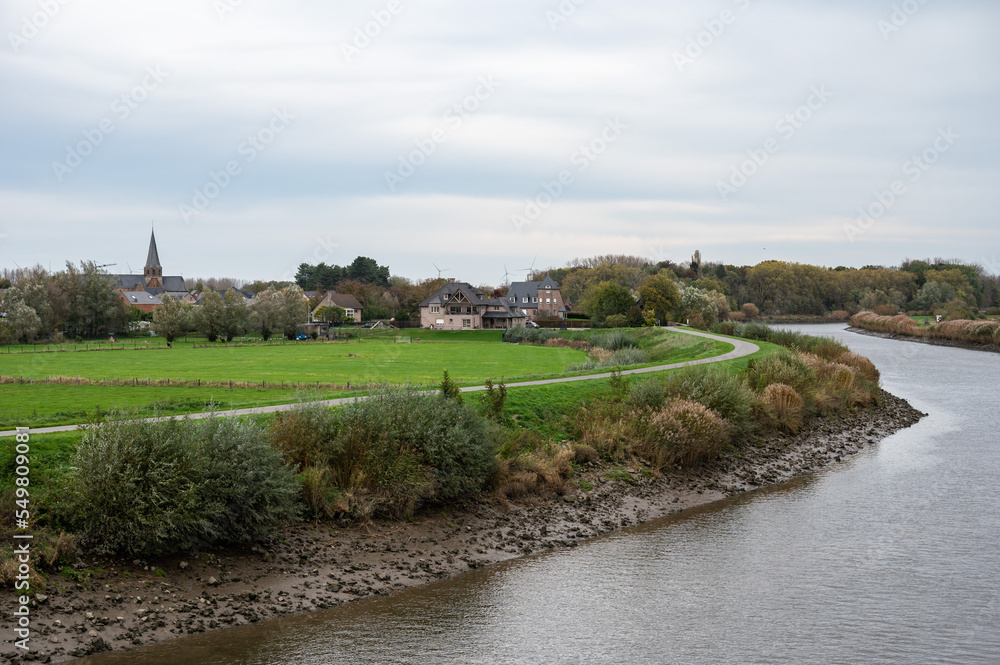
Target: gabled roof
141	298
447	293
153	257
344	300
521	290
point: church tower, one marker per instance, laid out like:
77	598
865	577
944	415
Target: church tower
153	272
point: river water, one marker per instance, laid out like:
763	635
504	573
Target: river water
890	557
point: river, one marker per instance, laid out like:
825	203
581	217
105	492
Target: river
892	556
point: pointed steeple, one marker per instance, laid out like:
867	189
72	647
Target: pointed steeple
153	258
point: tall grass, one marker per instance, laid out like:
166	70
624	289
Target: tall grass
959	330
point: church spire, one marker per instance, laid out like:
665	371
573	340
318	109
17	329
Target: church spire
153	258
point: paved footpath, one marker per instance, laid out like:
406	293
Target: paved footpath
743	348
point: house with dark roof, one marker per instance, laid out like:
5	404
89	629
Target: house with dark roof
539	300
345	301
141	300
151	281
461	306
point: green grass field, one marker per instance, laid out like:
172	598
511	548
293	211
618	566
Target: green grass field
470	357
547	410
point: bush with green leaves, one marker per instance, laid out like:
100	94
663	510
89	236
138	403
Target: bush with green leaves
401	446
723	392
754	330
147	488
785	367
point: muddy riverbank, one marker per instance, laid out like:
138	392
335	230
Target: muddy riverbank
934	341
124	605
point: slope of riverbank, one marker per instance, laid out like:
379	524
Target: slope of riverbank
308	567
934	341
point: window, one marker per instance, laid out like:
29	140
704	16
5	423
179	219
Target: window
525	298
435	309
535	299
466	323
439	322
547	300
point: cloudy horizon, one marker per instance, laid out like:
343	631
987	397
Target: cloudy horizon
482	138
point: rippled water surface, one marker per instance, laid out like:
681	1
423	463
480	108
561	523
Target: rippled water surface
890	557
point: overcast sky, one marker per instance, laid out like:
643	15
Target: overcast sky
470	135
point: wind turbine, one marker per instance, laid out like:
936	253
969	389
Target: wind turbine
440	270
506	275
531	270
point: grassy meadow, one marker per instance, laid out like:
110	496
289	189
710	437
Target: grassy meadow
470	357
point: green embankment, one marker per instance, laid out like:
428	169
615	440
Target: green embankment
546	410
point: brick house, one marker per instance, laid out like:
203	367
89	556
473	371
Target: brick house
539	300
347	302
461	306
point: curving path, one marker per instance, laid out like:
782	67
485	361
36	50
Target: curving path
742	348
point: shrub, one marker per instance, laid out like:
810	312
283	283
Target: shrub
837	315
582	453
626	357
683	433
243	480
737	316
320	496
494	399
750	311
602	358
616	321
144	488
727	328
647	393
723	392
613	341
783	406
400	446
755	330
450	389
520	334
786	368
305	435
541	470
